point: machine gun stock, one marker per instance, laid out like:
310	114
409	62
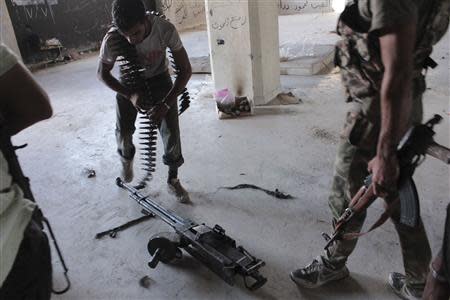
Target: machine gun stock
211	246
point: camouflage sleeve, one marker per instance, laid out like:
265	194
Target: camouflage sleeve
386	13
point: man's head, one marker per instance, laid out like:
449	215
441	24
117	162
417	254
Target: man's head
129	17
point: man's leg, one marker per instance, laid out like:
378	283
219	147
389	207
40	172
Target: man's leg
416	254
31	274
170	135
125	118
413	241
350	172
438	283
173	158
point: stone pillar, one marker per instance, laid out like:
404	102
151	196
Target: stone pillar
7	35
244	47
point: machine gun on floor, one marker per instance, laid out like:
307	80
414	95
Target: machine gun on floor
411	151
211	246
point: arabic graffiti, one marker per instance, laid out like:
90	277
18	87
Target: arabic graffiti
300	5
234	22
184	11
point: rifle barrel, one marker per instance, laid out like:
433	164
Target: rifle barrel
440	152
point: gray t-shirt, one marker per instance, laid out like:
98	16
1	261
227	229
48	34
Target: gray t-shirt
163	35
385	13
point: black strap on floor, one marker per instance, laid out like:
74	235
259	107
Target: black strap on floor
277	194
113	232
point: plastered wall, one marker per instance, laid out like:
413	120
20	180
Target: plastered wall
229	38
185	14
264	49
188	14
290	7
7	35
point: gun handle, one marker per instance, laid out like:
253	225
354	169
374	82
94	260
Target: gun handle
155	259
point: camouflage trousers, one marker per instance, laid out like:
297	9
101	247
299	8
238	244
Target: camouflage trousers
357	147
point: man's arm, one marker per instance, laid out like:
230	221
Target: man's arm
185	71
104	75
25	105
397	47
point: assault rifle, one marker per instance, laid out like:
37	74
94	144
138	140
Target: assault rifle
211	246
9	152
411	151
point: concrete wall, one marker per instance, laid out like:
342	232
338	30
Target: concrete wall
7	35
289	7
229	26
76	23
188	14
265	50
243	39
184	14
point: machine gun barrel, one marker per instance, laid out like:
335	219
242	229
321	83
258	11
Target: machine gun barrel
153	207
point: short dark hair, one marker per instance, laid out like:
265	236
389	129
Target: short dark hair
127	13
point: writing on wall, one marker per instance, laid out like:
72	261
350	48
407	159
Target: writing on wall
303	6
76	23
184	13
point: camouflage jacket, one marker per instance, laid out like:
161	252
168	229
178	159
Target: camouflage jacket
358	52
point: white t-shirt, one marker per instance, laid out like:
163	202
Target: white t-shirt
163	35
15	210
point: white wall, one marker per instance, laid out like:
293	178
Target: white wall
290	7
184	14
7	35
230	62
188	14
243	38
265	50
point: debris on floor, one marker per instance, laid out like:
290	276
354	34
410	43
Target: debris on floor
230	106
145	282
89	173
277	194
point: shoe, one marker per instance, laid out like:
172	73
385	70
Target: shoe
178	190
317	273
127	170
397	282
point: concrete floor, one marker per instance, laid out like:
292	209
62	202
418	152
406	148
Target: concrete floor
288	147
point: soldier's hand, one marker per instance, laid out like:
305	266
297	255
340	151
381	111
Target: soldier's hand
134	98
385	172
158	113
138	102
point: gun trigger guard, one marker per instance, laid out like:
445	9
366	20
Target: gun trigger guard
347	215
326	236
